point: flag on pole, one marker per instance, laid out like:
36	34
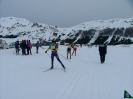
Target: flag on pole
127	95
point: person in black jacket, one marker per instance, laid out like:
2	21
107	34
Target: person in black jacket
37	46
102	52
23	47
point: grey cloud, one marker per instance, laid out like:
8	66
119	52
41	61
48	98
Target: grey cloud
66	13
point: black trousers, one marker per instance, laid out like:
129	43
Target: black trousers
28	49
37	48
102	58
17	50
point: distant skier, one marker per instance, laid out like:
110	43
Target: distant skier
57	46
54	53
74	49
69	50
102	52
37	46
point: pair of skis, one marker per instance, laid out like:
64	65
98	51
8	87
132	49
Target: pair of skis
52	69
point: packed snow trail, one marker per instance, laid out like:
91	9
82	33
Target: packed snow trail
21	77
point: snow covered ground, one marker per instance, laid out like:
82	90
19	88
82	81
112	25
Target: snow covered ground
22	77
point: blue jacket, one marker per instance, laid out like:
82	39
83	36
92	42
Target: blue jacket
17	44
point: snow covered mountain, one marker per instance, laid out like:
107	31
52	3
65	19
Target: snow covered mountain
113	31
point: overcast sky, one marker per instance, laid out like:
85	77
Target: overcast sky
66	13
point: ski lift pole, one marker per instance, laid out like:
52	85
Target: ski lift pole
65	58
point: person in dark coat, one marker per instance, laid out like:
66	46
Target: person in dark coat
23	47
30	44
27	46
37	46
17	47
102	52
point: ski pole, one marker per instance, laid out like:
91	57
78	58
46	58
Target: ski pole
48	55
42	47
65	58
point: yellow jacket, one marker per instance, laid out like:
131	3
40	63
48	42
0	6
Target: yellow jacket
53	48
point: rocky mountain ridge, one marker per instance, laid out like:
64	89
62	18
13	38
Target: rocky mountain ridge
113	31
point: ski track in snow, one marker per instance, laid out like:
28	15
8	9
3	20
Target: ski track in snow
85	76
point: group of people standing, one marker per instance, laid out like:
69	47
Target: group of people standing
25	45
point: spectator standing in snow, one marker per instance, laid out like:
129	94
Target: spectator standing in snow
102	52
53	47
17	47
27	46
30	45
23	47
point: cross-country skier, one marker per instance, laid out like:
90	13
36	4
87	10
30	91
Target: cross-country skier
74	49
53	47
37	46
69	50
102	52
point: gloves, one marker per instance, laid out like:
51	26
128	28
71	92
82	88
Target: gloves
45	51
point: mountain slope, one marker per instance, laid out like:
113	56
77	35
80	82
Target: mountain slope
113	31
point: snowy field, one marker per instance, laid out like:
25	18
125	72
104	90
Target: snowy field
22	77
